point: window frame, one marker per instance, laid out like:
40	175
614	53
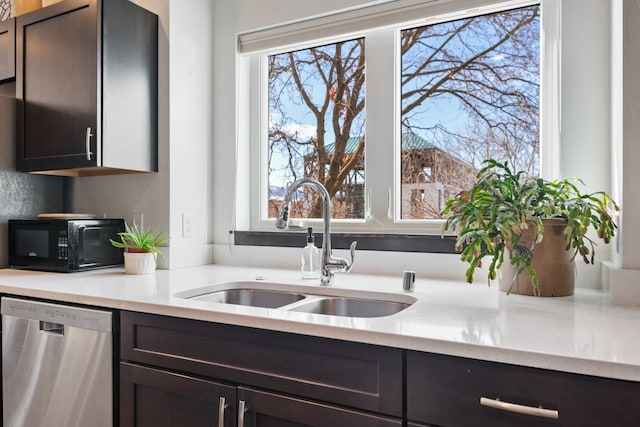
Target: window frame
381	43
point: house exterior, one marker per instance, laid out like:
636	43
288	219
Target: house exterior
430	176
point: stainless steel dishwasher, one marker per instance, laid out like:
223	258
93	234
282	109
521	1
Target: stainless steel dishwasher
57	364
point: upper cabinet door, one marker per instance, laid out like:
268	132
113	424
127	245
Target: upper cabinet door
87	88
57	86
7	49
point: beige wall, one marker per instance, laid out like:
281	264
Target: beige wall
198	123
183	183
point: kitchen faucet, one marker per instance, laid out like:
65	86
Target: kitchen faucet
329	263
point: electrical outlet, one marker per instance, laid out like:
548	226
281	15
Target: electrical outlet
187	225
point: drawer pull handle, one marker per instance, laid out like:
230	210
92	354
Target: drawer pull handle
519	409
241	411
222	406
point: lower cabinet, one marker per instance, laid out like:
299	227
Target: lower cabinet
154	398
453	391
265	409
177	372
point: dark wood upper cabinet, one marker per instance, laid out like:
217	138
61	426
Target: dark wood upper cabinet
7	49
87	88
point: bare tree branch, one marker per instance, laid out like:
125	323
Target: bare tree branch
487	66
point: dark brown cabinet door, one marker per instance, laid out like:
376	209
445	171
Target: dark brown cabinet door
154	398
87	88
7	49
263	409
57	86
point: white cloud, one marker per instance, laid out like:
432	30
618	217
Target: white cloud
303	131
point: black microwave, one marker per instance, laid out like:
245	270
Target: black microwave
65	245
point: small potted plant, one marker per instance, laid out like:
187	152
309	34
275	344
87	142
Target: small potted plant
141	249
537	226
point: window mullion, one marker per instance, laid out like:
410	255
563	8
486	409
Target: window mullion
550	90
381	124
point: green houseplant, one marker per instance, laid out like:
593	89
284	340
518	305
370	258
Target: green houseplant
141	248
504	212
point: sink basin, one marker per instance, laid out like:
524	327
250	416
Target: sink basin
253	297
351	307
303	299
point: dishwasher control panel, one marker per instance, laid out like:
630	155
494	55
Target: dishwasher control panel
85	318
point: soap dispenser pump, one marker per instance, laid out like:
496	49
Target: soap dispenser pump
310	266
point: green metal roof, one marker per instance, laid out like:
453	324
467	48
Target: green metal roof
352	143
410	141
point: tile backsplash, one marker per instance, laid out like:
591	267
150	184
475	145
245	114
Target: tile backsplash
25	195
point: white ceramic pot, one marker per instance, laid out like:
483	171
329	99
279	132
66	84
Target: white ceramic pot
139	263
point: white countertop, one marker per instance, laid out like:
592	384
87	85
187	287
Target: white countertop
582	334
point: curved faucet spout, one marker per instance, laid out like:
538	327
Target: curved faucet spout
329	263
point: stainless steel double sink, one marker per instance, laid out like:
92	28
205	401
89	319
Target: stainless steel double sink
316	300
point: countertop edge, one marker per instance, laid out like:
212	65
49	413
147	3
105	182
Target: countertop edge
472	351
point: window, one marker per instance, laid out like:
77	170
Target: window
316	127
440	98
469	91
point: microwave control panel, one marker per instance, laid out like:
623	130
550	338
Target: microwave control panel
63	248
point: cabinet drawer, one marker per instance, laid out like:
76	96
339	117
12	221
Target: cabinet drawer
447	391
351	374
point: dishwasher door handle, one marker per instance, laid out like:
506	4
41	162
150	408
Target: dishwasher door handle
52	328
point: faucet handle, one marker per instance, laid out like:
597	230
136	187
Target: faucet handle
352	250
282	221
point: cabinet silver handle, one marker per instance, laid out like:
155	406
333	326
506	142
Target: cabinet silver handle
221	407
87	141
241	411
519	409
